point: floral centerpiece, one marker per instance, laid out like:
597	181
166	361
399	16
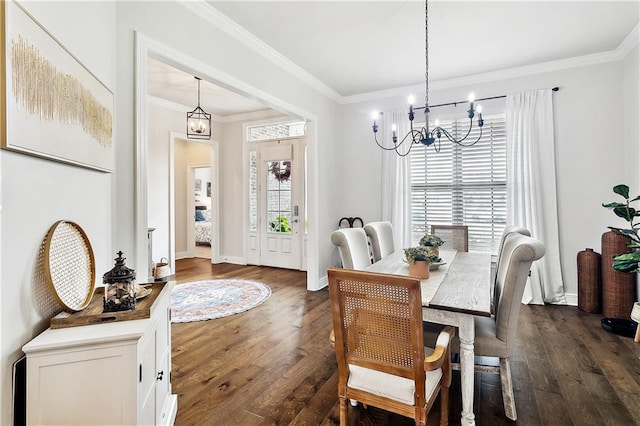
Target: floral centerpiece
419	259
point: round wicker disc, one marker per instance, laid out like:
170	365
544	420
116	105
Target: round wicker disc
69	265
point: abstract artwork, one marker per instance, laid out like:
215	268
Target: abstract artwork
53	106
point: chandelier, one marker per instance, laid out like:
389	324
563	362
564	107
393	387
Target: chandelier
424	136
198	121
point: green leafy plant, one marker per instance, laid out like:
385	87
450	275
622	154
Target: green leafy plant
626	262
431	241
280	224
426	253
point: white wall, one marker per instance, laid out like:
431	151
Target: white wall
36	193
231	192
162	121
631	105
590	149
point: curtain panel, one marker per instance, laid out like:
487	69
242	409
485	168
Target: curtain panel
396	184
531	188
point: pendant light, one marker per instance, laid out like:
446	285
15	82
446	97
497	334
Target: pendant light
198	121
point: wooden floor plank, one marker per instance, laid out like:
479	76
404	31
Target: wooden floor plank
272	365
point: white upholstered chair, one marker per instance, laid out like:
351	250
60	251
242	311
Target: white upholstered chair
508	230
495	336
353	247
456	237
381	235
377	319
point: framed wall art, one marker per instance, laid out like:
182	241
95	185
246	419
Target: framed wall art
53	107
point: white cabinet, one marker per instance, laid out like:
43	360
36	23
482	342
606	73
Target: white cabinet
105	374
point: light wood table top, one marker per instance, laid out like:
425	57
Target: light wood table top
462	284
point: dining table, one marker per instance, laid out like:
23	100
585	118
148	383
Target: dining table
458	288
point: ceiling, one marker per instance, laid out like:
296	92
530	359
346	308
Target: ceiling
356	47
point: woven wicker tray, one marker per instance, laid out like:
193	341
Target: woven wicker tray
93	314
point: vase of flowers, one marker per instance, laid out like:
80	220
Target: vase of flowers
419	259
432	241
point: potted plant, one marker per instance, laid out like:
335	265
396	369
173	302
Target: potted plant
419	259
433	241
626	262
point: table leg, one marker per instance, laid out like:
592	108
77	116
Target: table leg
467	361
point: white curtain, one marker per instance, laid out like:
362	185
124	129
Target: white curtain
396	190
531	183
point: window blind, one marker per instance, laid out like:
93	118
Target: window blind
462	185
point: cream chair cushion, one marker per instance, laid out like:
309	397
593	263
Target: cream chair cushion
389	386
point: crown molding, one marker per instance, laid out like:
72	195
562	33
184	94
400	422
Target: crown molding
629	42
225	24
516	72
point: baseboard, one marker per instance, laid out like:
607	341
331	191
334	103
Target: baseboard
182	255
322	283
233	259
572	299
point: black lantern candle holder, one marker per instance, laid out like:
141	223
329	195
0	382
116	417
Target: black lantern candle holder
119	287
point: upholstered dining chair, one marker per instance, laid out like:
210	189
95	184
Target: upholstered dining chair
353	247
495	336
377	320
455	237
381	235
508	230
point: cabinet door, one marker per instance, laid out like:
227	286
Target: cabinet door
147	378
163	362
70	387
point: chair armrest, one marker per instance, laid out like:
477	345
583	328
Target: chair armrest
435	360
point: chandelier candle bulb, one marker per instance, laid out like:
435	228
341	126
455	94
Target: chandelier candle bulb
394	132
375	115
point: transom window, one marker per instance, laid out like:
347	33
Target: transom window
271	131
463	185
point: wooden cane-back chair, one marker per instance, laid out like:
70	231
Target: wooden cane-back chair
377	320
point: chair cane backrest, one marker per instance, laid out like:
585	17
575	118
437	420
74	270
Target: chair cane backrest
519	252
353	247
377	320
381	235
456	237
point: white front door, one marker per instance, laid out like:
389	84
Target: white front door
281	207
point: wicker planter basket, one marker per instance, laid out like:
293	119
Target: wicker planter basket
618	288
589	281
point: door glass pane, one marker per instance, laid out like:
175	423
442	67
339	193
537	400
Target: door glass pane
253	191
279	196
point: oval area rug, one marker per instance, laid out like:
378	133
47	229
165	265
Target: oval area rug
209	299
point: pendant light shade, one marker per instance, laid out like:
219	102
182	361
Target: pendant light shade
198	121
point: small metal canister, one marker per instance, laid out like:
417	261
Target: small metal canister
119	287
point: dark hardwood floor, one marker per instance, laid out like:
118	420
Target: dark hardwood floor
273	365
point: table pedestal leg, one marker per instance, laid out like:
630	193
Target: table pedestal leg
467	335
